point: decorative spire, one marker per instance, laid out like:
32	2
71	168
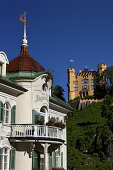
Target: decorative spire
24	42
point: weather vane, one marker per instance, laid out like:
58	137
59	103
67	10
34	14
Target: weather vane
25	23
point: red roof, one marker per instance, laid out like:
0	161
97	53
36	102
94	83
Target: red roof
24	62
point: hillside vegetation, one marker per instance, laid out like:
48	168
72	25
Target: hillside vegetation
90	137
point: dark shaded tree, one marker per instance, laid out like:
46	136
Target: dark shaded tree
104	83
108	74
59	92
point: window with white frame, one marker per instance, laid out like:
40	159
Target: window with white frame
5	159
7	114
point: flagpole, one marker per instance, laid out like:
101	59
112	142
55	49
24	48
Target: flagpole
25	26
24	37
71	63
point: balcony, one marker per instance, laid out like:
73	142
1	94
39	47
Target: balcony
36	132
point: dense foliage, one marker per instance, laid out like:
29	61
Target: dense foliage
104	84
90	137
59	92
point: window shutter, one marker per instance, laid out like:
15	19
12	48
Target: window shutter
1	158
61	159
1	111
12	158
35	160
13	114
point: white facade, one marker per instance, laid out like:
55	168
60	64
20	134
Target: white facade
26	142
3	62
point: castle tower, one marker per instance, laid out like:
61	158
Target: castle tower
101	68
71	75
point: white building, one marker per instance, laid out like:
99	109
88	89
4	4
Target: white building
28	138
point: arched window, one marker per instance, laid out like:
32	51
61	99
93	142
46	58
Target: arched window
7	114
43	109
44	87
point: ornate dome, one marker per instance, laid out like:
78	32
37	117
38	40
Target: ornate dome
24	62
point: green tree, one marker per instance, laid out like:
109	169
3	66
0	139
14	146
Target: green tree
90	136
59	92
104	83
108	74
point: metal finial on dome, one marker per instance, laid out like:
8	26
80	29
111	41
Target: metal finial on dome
25	37
24	42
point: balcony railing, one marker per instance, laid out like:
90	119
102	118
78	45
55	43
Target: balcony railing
36	131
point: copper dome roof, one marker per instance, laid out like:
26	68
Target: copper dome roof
24	62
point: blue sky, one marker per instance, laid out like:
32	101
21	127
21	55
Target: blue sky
60	30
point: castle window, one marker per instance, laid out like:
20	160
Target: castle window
84	81
92	81
92	87
85	87
76	88
75	82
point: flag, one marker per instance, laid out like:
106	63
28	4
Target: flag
22	20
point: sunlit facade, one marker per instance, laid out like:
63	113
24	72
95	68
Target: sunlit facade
32	120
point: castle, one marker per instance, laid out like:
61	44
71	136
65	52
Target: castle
82	84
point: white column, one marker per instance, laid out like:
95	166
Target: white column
4	69
46	156
59	156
